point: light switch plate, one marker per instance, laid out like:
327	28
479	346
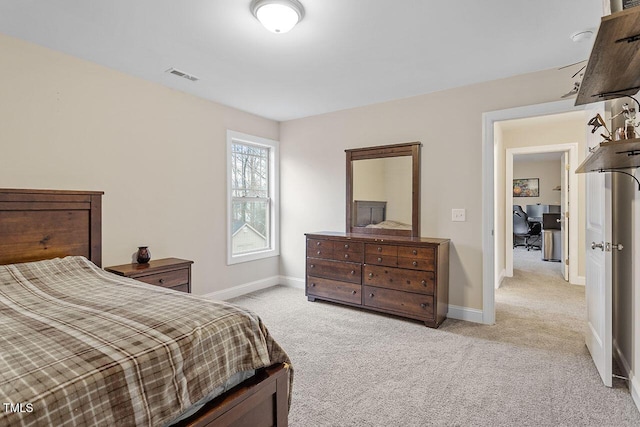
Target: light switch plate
459	215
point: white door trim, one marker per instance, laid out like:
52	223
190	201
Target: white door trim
572	149
488	184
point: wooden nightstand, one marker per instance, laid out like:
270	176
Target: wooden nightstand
172	273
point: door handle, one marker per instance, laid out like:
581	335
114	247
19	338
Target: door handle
617	246
597	245
558	220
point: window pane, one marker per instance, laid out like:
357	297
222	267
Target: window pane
250	171
250	222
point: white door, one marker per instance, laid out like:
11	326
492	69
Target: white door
598	336
564	213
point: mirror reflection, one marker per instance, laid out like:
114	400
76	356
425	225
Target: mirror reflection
382	193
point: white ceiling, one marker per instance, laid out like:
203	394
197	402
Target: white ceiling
343	54
537	157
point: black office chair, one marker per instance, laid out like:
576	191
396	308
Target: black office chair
524	229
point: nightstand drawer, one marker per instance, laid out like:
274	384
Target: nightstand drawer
181	288
167	279
173	273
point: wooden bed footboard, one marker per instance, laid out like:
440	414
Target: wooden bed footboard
260	401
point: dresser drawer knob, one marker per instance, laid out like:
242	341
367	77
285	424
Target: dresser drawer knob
379	259
318	243
319	252
415	263
313	285
415	252
353	272
346	256
370	274
312	266
161	281
353	292
424	305
424	283
346	246
371	295
379	249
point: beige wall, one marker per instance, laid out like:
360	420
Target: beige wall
158	154
548	174
449	125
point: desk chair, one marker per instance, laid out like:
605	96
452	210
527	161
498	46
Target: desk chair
522	228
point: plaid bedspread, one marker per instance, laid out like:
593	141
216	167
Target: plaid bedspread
80	346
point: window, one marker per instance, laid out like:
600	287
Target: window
252	198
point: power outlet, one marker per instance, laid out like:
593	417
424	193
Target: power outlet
459	215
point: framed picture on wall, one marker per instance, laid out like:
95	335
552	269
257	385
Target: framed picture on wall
527	187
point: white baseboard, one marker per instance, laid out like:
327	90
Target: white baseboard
634	387
580	280
634	384
239	290
246	288
292	282
464	313
619	357
501	277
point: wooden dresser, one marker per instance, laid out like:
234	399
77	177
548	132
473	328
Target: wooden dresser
172	273
405	276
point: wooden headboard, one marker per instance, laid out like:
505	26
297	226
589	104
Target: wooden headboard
45	224
369	212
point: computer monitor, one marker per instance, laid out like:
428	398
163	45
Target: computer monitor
536	211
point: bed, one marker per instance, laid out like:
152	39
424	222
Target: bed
373	214
81	346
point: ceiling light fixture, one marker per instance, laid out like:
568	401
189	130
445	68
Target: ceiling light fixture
278	16
581	36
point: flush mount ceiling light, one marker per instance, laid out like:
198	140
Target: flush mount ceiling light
581	36
278	16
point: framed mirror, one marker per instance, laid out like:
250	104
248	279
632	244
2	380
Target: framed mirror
383	190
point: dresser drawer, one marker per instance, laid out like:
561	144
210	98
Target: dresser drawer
347	256
386	250
416	252
319	248
329	269
416	258
405	303
422	282
381	255
348	251
334	289
351	247
167	279
416	264
388	260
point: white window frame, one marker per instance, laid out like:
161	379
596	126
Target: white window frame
274	194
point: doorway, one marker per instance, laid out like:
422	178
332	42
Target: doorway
492	160
567	200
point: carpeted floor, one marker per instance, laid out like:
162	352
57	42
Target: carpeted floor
356	368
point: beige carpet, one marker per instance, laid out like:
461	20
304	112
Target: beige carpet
356	368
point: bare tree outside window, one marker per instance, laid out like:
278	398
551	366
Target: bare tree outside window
250	198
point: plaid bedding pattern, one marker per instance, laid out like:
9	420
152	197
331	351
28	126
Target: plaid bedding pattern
83	347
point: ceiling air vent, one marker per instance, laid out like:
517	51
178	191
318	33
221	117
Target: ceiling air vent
183	74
